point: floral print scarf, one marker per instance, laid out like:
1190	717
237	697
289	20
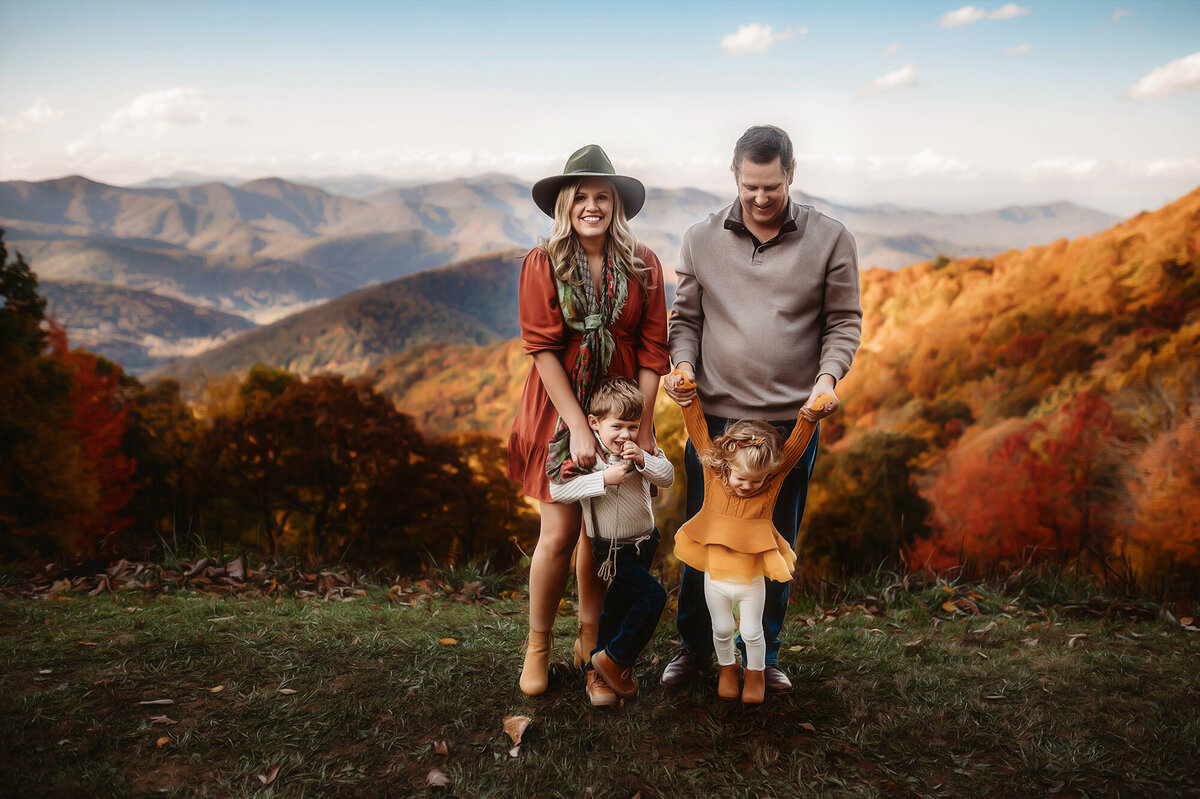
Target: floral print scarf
591	317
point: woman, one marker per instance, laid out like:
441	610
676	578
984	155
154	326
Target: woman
591	305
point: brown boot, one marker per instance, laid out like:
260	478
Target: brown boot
585	642
535	674
598	692
727	684
755	688
619	678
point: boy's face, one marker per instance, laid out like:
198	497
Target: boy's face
614	432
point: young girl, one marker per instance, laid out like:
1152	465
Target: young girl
733	540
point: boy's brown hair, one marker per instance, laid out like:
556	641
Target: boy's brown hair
618	397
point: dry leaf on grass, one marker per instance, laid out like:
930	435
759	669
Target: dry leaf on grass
914	642
287	691
216	689
43	671
807	725
436	778
991	626
157	702
269	777
515	726
162	720
163	741
88	643
1074	638
949	606
441	747
448	641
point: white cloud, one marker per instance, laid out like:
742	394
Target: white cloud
1063	167
1121	12
755	38
83	148
35	114
154	112
1020	49
1180	75
968	15
892	48
902	78
929	161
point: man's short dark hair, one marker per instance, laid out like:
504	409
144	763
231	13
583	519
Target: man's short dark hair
762	144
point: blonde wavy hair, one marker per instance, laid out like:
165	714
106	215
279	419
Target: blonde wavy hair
759	445
620	242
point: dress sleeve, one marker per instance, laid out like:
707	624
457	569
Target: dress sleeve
696	426
652	332
541	319
796	443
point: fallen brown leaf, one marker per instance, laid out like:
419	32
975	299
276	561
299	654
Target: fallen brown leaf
441	747
88	643
515	726
287	691
157	702
949	606
163	741
808	725
448	641
436	778
269	777
914	642
162	720
987	629
216	689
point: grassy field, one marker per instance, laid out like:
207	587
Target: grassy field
940	690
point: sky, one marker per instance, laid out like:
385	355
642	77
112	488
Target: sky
929	104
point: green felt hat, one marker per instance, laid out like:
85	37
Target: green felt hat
590	162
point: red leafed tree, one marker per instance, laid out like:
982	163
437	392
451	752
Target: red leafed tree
1041	492
97	423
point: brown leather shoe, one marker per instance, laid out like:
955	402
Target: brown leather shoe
727	684
598	692
754	689
619	678
777	681
683	670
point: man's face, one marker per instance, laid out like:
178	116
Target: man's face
763	192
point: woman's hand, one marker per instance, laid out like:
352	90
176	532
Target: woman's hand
583	447
680	384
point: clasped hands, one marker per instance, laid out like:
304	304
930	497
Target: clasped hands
680	386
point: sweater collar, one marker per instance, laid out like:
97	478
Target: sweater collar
797	219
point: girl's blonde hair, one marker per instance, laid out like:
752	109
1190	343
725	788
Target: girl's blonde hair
759	445
621	243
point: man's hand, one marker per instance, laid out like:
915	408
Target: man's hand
630	451
615	475
680	385
822	402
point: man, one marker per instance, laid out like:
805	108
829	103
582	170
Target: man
767	316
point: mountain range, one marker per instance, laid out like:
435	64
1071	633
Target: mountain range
265	248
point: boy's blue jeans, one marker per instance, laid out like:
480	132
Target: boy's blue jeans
634	600
695	626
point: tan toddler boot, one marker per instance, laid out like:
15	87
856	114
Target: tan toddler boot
755	688
727	683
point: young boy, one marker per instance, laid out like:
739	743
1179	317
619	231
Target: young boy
620	523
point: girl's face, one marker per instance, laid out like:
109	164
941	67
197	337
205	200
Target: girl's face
592	208
743	481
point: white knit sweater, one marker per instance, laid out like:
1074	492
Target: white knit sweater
621	512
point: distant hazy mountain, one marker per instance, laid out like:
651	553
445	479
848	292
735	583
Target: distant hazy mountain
473	302
138	329
264	248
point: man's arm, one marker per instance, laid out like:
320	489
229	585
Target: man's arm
842	328
687	319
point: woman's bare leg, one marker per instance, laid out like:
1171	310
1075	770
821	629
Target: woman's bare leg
551	562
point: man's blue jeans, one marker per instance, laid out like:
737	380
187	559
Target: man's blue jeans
634	601
693	622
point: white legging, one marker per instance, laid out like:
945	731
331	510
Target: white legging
720	597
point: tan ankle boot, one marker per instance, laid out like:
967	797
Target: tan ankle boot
727	683
585	642
535	674
755	688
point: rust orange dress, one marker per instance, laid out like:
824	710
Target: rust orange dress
640	342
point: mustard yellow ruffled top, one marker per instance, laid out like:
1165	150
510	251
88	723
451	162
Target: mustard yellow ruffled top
733	538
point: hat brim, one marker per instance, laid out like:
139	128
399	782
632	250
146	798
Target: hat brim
633	193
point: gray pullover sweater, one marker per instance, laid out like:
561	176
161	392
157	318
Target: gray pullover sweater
760	323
